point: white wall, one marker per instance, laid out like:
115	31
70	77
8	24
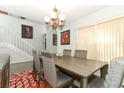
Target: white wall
72	40
14	25
49	39
104	14
50	47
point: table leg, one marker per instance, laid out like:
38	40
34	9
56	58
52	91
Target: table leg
83	83
103	71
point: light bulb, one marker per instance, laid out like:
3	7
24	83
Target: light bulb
53	15
47	19
61	17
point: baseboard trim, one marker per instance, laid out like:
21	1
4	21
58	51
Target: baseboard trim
20	63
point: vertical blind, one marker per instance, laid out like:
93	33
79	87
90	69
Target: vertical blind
104	41
85	40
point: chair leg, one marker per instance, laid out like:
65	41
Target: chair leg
35	76
103	71
44	83
39	79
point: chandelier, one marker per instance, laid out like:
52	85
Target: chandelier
55	19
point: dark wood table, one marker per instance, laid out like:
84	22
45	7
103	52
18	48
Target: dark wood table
84	68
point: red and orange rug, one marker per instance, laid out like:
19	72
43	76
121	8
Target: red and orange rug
25	79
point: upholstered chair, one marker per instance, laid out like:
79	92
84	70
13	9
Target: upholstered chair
53	77
80	53
4	70
66	52
114	76
37	66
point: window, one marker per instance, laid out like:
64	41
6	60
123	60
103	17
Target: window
104	41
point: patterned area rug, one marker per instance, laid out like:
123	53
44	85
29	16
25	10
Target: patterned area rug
25	79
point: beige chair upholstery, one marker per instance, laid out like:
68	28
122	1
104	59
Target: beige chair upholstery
48	54
52	76
114	77
37	66
66	52
4	70
81	53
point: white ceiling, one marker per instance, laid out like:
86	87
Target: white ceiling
38	12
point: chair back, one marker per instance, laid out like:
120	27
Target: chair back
36	61
115	73
50	73
66	52
5	70
81	53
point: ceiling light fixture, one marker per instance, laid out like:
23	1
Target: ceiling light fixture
55	19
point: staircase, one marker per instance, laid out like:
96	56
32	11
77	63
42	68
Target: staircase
19	49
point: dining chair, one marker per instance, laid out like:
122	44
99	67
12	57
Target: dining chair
53	77
114	76
80	53
66	52
37	66
4	70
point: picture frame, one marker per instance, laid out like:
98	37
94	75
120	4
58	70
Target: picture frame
27	31
55	39
65	37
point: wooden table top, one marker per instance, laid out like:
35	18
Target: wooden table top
79	66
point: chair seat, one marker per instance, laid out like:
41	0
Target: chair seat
63	79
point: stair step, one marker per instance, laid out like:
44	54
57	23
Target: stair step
16	56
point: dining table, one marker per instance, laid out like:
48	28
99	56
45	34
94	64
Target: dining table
80	67
83	68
